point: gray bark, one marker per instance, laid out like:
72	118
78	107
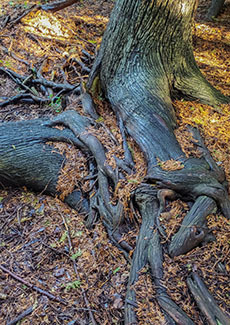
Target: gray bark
146	55
59	5
27	160
215	8
145	59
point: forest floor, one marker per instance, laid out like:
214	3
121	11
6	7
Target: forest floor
87	274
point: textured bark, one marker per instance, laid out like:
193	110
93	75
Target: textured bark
193	228
145	59
149	250
26	159
148	43
205	301
146	55
59	5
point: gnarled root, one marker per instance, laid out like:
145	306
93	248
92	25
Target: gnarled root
206	302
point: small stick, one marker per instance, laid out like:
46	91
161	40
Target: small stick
206	302
28	98
15	56
22	315
33	287
26	12
5	21
42	81
76	270
11	73
59	5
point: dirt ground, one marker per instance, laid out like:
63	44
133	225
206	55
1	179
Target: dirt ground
63	273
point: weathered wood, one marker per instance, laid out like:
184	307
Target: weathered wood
148	206
59	5
193	229
138	89
112	214
27	160
149	250
206	302
215	8
140	68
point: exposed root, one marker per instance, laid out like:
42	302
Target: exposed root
205	301
192	84
149	251
198	180
193	228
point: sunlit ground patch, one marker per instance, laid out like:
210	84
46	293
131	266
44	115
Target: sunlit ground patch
42	23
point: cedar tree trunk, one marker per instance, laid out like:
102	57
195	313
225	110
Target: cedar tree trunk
145	59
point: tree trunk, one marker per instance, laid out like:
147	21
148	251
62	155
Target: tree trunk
145	59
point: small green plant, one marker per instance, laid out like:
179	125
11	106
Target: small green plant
63	237
76	255
77	234
92	41
116	270
189	267
131	151
100	119
56	104
72	285
132	181
7	64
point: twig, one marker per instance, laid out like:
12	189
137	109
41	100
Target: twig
5	21
82	65
22	315
15	56
26	98
56	251
56	6
33	287
32	96
76	270
87	54
11	73
66	86
42	81
26	12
